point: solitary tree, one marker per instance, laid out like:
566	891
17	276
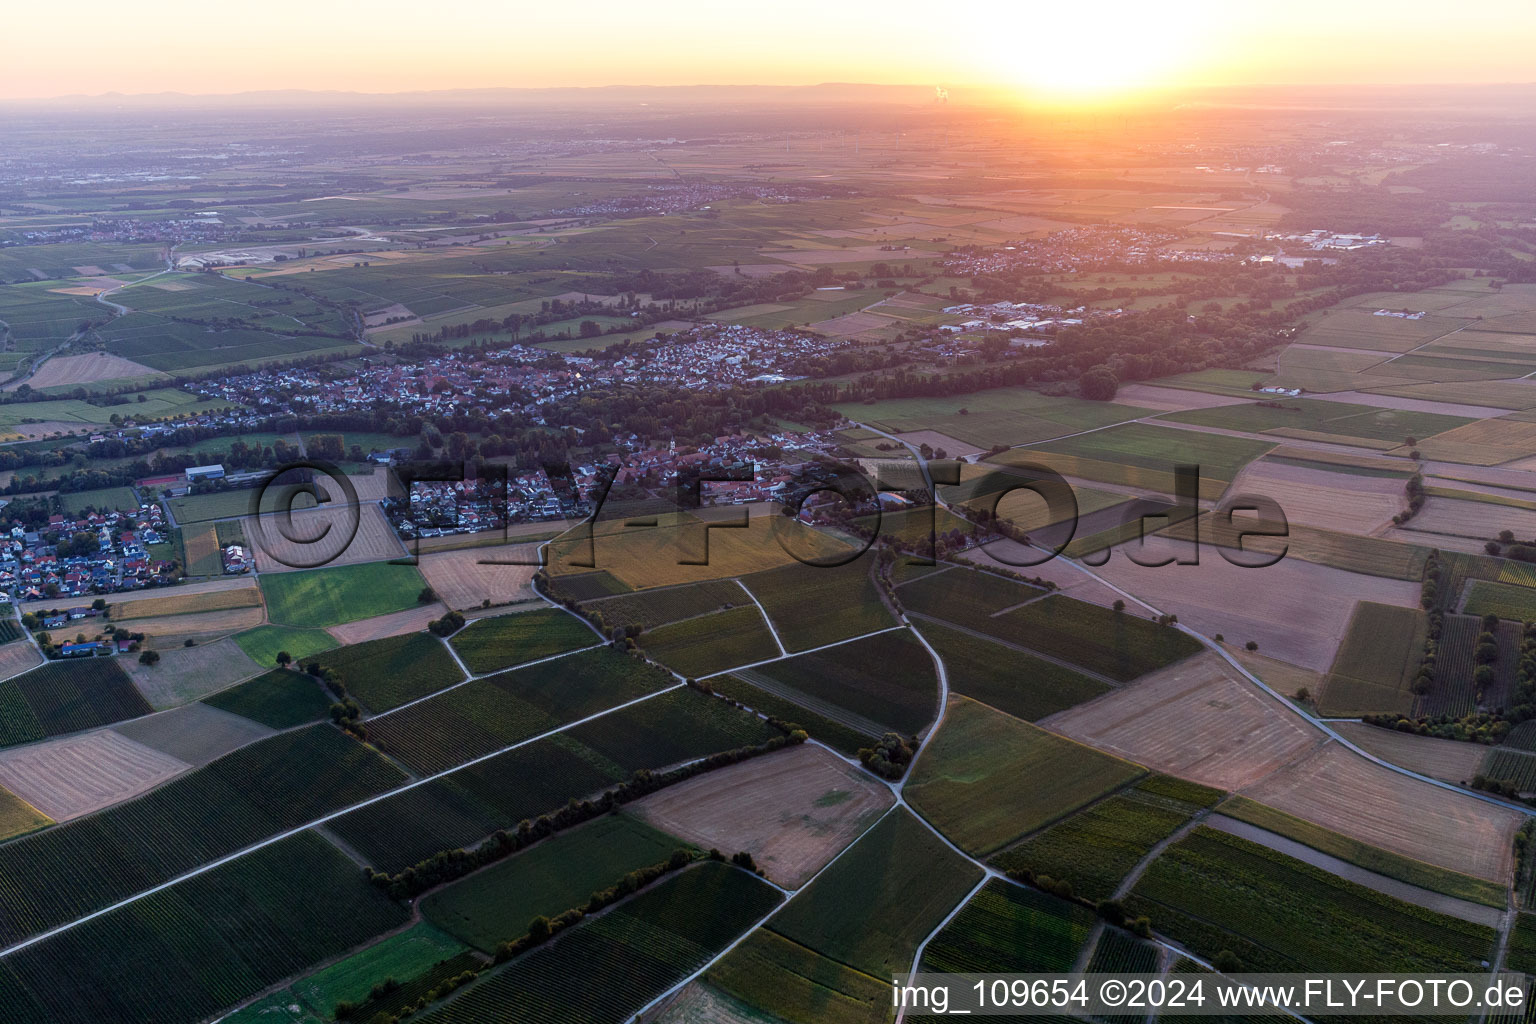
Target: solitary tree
284	659
149	658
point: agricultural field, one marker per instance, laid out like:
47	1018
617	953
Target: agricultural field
1505	600
983	419
382	627
263	643
190	673
1198	720
1005	678
501	641
1010	928
185	601
633	953
552	876
185	953
1097	847
251	794
195	733
1205	891
811	606
403	955
496	711
877	901
331	596
280	699
472	577
1317	419
17	817
793	811
122	498
204	557
1136	453
770	974
1376	663
648	609
659	555
885	682
75	775
848	734
385	674
1451	760
321	537
964	779
1362	855
62	697
1113	646
711	643
1343	792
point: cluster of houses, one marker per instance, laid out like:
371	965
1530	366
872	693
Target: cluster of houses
1081	250
32	568
522	378
1020	317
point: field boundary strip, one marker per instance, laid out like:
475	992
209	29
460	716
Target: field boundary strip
767	620
476	678
317	822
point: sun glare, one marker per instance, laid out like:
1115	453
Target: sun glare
1099	51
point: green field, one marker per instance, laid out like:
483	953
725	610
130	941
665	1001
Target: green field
400	957
182	954
1212	891
1506	600
1006	416
337	594
887	680
1097	847
1143	454
797	985
1009	929
839	735
386	673
811	605
263	642
122	498
872	907
496	711
1376	664
280	699
711	643
966	779
495	905
488	645
17	817
1324	417
1011	681
627	956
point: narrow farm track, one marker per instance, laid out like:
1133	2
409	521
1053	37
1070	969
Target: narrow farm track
783	653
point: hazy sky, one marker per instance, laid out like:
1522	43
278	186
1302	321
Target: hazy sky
1068	48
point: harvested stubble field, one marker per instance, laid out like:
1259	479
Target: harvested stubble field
184	602
1344	792
1475	520
1297	611
1322	498
793	811
18	658
1451	760
965	780
1485	442
204	557
75	775
322	536
411	620
657	555
469	577
1197	720
189	673
197	733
